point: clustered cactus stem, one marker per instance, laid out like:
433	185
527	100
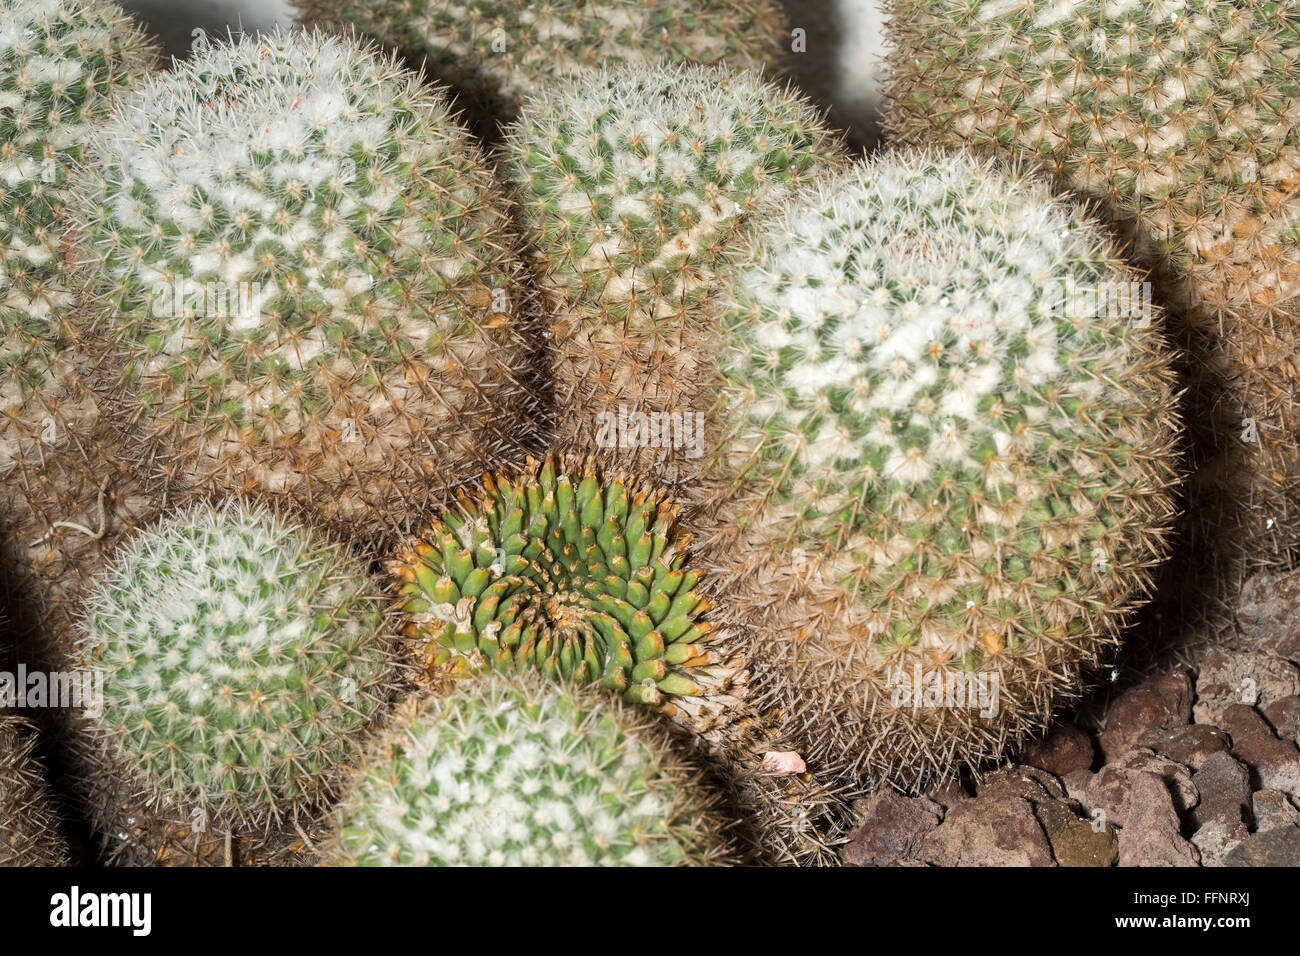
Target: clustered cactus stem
1181	121
947	456
636	187
520	771
302	277
242	656
30	831
497	53
61	65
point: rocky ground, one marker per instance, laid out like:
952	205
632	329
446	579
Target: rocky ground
1195	766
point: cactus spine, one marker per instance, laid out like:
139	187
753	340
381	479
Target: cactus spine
30	831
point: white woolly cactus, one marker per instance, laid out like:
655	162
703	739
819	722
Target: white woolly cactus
61	62
302	270
241	655
511	772
948	445
636	186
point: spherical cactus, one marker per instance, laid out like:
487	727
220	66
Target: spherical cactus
242	657
30	831
947	461
635	187
302	271
524	772
61	64
576	575
1182	121
496	53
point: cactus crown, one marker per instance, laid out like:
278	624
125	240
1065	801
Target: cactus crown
567	573
242	654
522	772
634	182
296	251
945	388
60	62
497	52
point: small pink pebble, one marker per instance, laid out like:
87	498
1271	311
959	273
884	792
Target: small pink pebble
784	761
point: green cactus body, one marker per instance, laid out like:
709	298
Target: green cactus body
1181	120
30	831
524	772
948	456
496	53
61	63
242	656
303	275
577	576
636	186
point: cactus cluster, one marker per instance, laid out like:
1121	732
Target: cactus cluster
635	187
243	657
1181	120
521	771
854	471
30	831
61	64
947	456
496	53
302	273
576	575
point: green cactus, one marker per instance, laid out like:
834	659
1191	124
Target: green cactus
947	456
242	657
575	575
61	64
635	187
30	831
519	771
496	53
302	273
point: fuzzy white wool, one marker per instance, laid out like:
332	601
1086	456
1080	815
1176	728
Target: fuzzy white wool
889	314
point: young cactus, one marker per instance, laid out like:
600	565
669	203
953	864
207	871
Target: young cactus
576	575
61	64
523	772
242	657
636	186
496	53
30	830
302	273
1181	120
947	461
